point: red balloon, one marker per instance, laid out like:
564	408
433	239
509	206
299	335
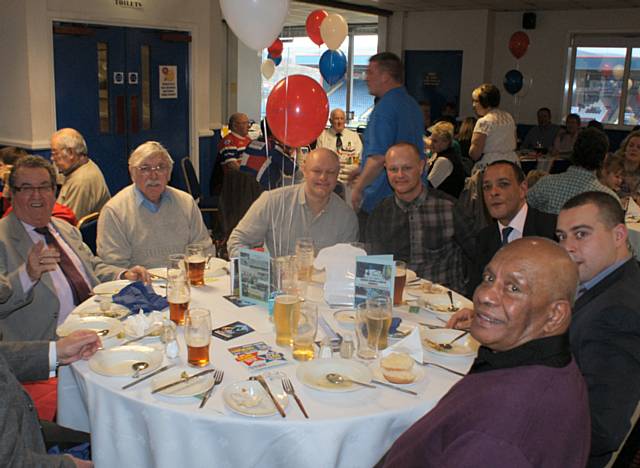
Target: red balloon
314	20
518	44
297	110
275	49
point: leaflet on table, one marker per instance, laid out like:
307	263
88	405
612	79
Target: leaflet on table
257	355
255	271
375	276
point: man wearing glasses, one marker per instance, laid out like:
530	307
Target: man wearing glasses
148	221
49	269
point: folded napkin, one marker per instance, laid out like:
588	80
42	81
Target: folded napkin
412	345
139	324
632	208
339	263
138	296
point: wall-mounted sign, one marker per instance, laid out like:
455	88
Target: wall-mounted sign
135	4
168	81
118	77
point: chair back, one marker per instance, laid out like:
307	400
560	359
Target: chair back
190	177
88	226
634	419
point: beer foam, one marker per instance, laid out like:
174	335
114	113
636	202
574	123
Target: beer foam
287	299
196	258
198	341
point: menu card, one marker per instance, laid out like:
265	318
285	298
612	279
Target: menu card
375	277
257	355
255	271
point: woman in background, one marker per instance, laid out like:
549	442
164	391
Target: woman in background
445	168
566	137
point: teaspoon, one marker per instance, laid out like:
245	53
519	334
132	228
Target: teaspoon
339	379
137	367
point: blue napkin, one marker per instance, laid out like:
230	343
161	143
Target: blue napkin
138	296
395	323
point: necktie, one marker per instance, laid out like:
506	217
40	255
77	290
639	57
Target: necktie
505	235
78	285
338	142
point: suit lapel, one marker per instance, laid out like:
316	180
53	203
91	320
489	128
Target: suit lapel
603	285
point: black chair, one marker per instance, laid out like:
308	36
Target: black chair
88	226
206	204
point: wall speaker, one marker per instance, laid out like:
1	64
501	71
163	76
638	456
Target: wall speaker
529	20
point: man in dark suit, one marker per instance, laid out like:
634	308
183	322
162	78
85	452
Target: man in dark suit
21	438
605	330
504	190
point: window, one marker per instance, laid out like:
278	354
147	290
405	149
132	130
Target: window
302	56
605	77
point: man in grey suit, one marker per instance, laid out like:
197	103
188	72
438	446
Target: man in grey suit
50	270
21	438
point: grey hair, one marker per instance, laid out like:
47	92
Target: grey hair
71	139
146	150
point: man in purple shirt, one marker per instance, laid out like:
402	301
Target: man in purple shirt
524	402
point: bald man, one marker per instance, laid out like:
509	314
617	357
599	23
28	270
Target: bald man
281	216
231	146
524	401
84	189
340	139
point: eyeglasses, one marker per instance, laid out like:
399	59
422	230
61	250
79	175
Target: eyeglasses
146	170
30	190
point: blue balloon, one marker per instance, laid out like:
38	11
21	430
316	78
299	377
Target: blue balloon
512	81
276	60
333	66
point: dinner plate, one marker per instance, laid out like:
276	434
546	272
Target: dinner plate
249	398
417	370
192	388
116	311
419	288
464	347
314	374
90	323
439	303
117	362
110	287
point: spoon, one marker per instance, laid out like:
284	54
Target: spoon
452	307
104	332
137	367
449	345
339	379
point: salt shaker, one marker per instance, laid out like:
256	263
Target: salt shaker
325	348
347	347
169	339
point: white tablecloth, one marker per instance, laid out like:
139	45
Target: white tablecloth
133	428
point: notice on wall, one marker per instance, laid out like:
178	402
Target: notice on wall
168	81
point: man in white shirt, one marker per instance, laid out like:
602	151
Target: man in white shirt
346	143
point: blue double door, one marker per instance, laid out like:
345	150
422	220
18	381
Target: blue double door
120	87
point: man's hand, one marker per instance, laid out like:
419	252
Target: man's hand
80	344
461	319
41	259
356	197
137	273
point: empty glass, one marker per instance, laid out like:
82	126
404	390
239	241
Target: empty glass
304	258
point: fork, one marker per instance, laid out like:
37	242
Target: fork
288	388
218	375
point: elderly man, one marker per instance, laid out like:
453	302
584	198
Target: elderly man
552	191
395	118
524	402
232	146
504	189
279	217
418	225
49	269
84	189
22	441
340	139
542	135
147	221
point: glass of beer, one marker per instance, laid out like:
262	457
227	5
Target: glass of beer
400	281
285	311
304	258
303	331
178	296
378	322
177	267
197	334
196	263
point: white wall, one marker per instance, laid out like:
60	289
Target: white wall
249	82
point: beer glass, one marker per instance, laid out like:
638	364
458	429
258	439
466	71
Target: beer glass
197	334
378	322
364	351
400	281
177	267
196	263
285	311
304	258
303	331
284	275
178	296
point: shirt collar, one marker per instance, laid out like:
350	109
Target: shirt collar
551	351
419	200
517	223
584	287
148	204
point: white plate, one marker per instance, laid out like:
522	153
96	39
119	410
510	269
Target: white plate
346	318
110	287
417	370
417	289
191	388
439	303
250	399
314	374
161	272
90	323
464	347
116	362
115	311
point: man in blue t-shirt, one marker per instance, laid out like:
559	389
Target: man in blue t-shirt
395	118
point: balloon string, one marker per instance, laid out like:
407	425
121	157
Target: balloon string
286	134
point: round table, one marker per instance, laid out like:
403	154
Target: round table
134	428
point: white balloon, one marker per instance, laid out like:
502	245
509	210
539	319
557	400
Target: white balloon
257	23
268	68
333	30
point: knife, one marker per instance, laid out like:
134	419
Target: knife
141	379
384	384
182	380
263	382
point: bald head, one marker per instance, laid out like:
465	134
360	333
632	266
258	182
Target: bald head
404	170
337	120
321	168
239	123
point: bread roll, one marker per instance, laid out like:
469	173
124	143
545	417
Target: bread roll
397	362
399	377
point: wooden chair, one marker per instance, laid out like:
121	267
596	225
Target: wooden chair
88	226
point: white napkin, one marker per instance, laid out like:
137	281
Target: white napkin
139	324
339	262
633	209
411	344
